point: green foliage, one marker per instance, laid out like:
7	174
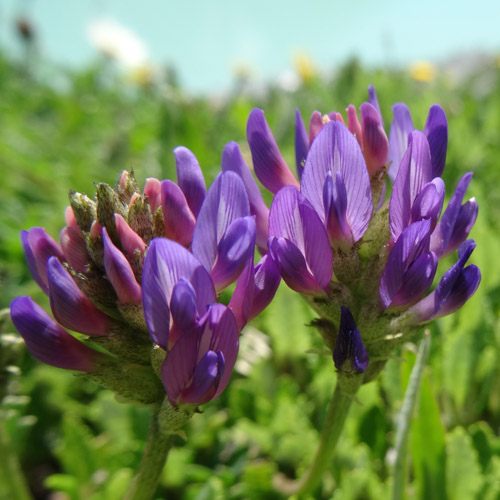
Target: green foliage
69	436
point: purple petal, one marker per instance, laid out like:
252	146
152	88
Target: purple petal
71	308
353	124
47	341
165	264
293	218
372	99
205	381
335	202
74	248
177	216
429	202
184	310
301	143
220	333
349	346
414	172
233	160
179	365
235	249
456	286
267	280
336	150
190	178
119	273
401	127
243	295
416	280
38	248
226	201
445	229
412	243
269	166
375	143
467	216
436	130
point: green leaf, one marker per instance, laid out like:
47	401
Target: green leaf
463	472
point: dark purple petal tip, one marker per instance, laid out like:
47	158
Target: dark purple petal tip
349	346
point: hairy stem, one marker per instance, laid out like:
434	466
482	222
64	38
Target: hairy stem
158	445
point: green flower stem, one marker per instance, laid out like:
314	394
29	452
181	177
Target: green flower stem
338	410
12	482
158	445
405	416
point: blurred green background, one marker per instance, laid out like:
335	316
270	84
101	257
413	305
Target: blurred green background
63	130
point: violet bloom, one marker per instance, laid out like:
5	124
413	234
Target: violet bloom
335	237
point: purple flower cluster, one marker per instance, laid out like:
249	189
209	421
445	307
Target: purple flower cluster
139	273
336	238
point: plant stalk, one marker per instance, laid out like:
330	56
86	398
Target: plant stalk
336	416
158	445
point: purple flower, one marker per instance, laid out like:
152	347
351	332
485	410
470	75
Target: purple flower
200	336
47	341
349	347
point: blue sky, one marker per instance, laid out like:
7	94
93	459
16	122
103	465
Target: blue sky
205	39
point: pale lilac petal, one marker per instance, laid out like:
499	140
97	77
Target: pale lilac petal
233	160
226	201
269	166
47	341
178	218
71	308
336	150
74	248
414	172
436	130
375	143
119	273
190	178
401	127
444	232
236	247
301	143
152	189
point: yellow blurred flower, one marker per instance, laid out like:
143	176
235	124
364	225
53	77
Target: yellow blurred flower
304	66
423	71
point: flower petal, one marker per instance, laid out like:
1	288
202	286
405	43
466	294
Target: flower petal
74	248
436	130
301	143
152	189
47	341
226	201
401	127
336	150
232	159
190	178
414	172
269	166
177	216
71	308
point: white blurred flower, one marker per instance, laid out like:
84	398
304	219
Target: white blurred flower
115	41
254	346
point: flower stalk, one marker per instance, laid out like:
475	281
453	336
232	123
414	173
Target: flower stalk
153	460
343	396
